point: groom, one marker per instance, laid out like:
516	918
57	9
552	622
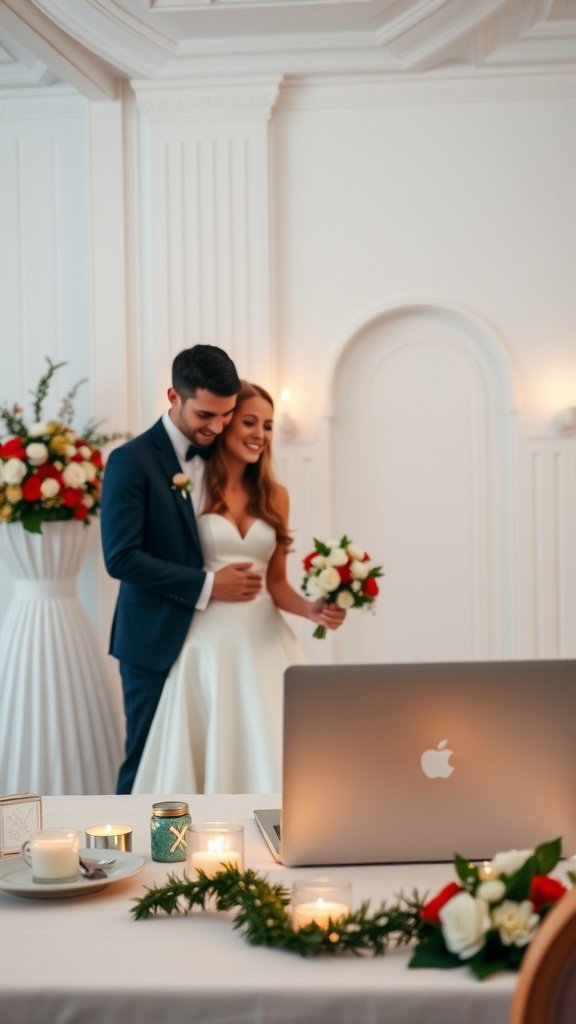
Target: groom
152	491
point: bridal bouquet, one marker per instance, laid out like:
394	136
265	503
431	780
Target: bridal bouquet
487	919
47	470
340	573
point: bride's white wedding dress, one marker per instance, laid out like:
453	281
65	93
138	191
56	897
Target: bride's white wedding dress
218	726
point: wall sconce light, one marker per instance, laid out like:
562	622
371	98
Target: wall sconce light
565	420
288	425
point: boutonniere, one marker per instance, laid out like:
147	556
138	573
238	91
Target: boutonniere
182	483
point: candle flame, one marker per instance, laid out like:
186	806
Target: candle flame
217	845
320	903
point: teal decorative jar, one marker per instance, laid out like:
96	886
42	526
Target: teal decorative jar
168	824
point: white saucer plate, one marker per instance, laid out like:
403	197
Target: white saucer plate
16	877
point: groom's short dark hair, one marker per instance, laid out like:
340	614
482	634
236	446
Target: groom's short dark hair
207	367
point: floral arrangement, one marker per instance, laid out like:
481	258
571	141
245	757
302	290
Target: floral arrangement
47	470
488	918
182	483
484	921
340	573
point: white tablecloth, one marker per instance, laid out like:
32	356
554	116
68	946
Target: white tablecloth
86	960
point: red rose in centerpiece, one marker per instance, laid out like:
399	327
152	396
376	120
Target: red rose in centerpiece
545	891
431	910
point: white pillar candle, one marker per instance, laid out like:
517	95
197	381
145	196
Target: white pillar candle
53	855
320	900
321	911
211	845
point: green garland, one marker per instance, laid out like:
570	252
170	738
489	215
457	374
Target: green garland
263	919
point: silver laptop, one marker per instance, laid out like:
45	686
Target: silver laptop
400	763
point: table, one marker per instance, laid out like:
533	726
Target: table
86	960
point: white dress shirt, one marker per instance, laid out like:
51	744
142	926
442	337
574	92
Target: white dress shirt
194	468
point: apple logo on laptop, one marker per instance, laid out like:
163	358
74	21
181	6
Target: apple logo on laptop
436	763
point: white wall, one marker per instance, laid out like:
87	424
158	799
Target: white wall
282	222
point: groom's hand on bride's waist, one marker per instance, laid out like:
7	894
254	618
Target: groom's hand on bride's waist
236	583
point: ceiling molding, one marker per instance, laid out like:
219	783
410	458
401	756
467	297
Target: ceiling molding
62	55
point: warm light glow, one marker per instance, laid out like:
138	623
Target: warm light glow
217	845
285	395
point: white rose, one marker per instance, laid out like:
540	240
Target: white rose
39	429
37	453
360	570
73	475
491	890
344	599
355	552
70	451
89	470
464	921
14	471
88	501
49	488
330	579
337	556
315	589
516	922
510	861
85	452
318	562
356	586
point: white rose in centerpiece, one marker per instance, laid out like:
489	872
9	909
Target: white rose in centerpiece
344	599
318	562
70	451
37	453
360	570
49	487
89	470
510	861
337	556
39	429
356	586
85	452
516	922
330	579
73	475
315	589
356	553
491	890
464	921
14	471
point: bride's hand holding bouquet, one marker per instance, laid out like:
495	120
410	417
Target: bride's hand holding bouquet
339	575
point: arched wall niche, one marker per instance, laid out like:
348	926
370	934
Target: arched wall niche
422	471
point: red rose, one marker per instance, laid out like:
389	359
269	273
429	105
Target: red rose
72	497
48	469
307	562
431	910
344	573
31	488
13	449
80	512
370	587
96	459
545	891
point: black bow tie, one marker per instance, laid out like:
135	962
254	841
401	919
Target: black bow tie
204	452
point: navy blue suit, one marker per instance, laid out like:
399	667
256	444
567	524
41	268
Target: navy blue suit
151	544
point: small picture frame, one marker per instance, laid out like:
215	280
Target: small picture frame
20	815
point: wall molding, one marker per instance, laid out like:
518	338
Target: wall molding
238	99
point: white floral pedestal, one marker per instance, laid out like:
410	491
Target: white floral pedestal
59	729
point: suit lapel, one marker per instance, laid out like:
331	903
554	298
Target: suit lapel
169	465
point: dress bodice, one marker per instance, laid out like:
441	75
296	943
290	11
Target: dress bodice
222	542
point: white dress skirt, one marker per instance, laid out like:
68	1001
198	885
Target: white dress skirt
218	725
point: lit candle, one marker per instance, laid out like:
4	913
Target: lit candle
485	871
109	837
211	845
321	911
319	900
53	855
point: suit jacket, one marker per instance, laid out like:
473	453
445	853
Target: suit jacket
151	544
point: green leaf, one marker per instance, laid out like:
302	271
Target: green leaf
32	521
321	547
433	953
547	856
518	884
465	871
484	968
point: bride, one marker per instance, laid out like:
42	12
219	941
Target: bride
218	726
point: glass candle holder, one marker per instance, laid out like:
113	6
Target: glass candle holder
320	900
53	855
109	837
168	825
210	845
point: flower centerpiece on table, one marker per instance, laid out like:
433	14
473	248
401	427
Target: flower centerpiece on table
48	471
487	919
341	573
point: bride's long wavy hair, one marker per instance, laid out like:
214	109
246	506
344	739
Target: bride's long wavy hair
259	476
